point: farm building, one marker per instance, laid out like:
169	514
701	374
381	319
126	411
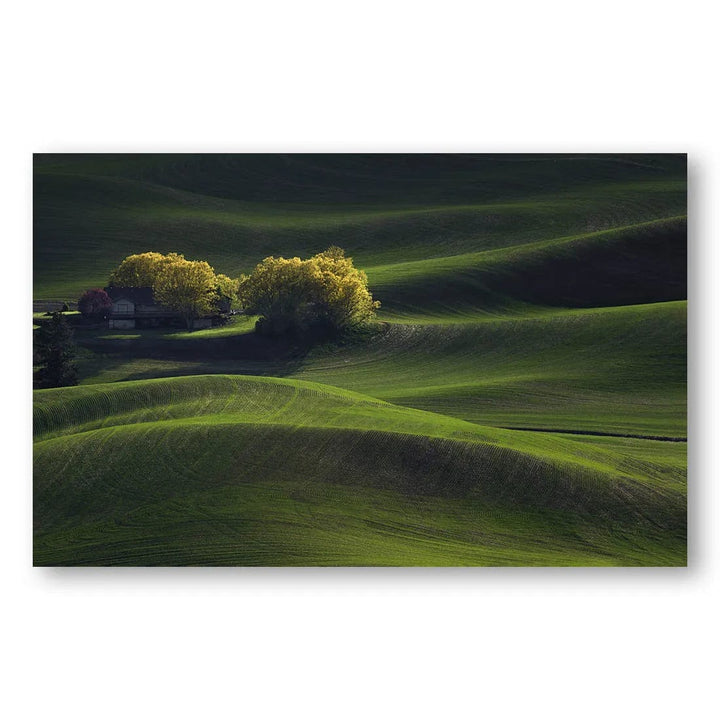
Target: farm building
136	307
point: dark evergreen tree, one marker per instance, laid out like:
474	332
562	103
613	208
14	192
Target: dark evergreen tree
55	354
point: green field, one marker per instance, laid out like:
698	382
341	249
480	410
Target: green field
521	400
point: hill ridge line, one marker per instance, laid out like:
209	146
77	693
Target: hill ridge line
524	247
575	463
352	212
596	433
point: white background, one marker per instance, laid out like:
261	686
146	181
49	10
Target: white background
332	76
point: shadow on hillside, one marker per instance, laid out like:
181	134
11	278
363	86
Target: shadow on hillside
159	356
645	263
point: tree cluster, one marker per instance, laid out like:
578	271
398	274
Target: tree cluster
293	295
325	293
190	287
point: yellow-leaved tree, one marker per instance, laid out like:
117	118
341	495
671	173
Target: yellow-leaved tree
190	287
141	270
293	295
226	289
342	296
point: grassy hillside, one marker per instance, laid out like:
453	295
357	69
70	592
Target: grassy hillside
521	401
619	370
213	441
90	213
589	270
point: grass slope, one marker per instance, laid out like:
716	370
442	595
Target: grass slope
89	213
190	459
619	370
590	270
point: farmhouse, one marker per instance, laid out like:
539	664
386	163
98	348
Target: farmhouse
135	307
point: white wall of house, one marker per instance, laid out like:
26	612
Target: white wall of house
121	307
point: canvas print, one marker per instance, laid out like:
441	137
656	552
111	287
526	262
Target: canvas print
359	360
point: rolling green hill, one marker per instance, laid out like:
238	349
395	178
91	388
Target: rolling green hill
90	213
357	482
521	402
619	370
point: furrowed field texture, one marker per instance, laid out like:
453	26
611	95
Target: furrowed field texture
521	399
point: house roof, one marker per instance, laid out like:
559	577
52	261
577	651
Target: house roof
138	295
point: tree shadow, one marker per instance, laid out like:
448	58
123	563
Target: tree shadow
245	354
